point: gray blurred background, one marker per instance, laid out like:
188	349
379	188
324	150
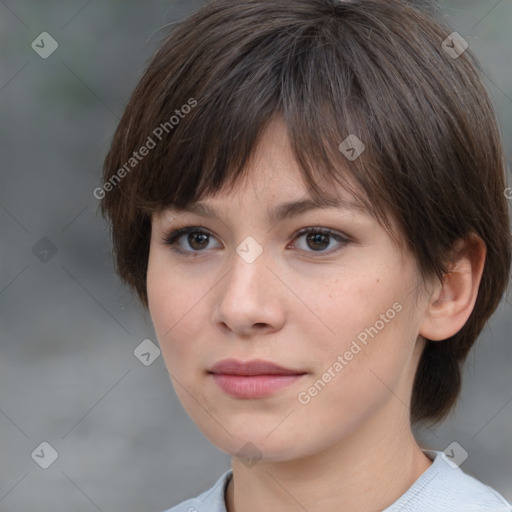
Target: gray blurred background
69	328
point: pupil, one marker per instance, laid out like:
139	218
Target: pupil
317	239
192	238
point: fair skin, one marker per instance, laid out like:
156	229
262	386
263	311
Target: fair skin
350	447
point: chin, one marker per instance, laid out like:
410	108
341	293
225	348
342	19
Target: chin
255	444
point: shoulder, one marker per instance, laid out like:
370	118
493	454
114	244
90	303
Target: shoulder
211	500
444	487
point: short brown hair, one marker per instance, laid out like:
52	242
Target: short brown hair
376	69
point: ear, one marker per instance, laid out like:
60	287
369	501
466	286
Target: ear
452	302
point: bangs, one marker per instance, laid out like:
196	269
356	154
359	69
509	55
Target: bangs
364	108
270	75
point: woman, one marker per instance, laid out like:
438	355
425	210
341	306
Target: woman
308	196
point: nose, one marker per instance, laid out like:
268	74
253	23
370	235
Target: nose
250	298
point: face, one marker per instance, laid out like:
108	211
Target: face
338	307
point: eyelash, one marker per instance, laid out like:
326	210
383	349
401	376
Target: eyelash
172	238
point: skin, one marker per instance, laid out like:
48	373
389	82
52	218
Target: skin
351	446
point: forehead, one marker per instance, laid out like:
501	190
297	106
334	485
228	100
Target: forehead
278	211
276	181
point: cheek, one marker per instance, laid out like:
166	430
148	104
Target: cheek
176	307
351	305
369	334
355	375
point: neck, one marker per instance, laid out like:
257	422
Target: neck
356	475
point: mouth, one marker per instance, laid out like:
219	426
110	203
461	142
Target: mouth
252	379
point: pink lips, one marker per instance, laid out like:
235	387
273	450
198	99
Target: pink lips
252	379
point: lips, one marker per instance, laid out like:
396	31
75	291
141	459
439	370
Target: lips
252	379
253	367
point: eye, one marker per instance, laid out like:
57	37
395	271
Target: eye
318	239
197	238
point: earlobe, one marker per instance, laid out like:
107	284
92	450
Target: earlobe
454	299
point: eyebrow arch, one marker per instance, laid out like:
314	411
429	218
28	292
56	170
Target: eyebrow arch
282	210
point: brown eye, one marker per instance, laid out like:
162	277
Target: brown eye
319	239
196	240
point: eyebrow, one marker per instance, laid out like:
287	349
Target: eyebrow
282	210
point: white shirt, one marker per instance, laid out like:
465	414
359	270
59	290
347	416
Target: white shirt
441	488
